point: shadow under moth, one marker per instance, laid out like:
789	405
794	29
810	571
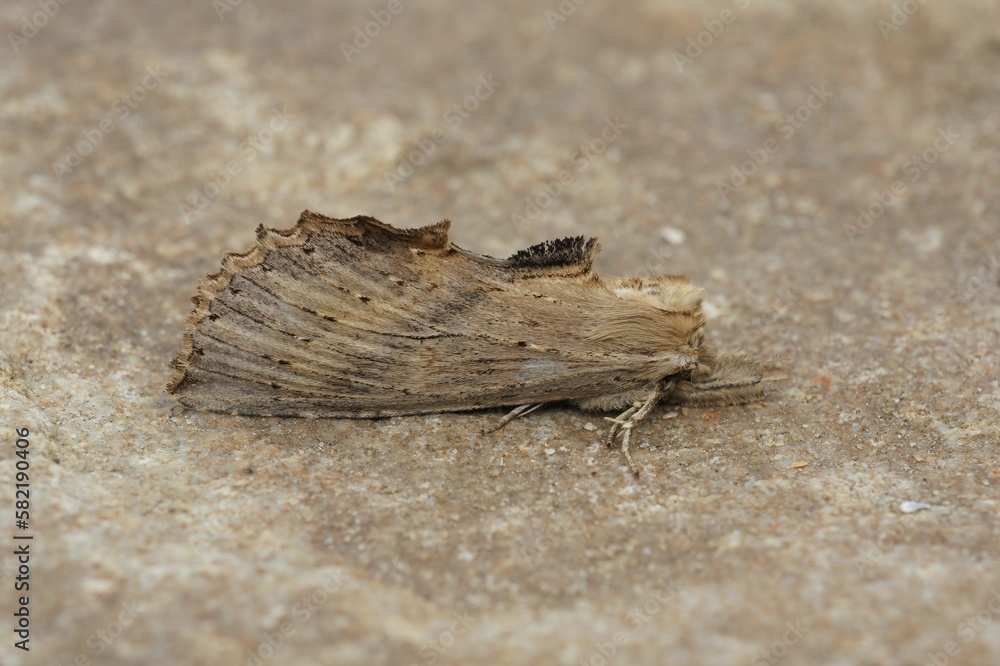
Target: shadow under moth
356	319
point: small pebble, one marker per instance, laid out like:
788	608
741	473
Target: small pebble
670	415
912	507
673	235
800	464
589	426
549	452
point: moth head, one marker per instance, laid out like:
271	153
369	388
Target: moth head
724	379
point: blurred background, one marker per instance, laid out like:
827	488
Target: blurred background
828	172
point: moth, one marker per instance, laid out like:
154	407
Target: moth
353	318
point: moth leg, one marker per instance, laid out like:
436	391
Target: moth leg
619	422
513	414
630	417
626	435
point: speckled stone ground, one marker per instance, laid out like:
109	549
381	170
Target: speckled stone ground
831	175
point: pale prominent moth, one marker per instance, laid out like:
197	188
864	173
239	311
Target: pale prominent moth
356	319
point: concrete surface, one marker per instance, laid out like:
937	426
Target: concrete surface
772	533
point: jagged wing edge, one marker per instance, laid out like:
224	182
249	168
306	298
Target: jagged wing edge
434	236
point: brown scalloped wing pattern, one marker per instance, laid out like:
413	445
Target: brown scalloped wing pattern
367	320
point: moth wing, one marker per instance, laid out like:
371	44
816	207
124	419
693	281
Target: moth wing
354	318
